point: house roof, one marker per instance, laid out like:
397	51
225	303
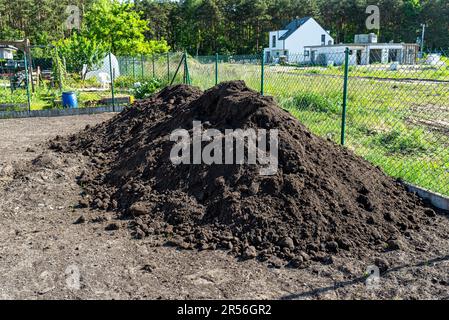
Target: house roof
2	46
293	26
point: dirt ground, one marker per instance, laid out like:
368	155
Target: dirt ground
45	255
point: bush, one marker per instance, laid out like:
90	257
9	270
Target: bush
145	89
125	81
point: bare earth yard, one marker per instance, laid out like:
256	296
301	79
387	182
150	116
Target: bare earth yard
44	255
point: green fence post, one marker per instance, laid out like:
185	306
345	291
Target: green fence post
134	68
168	67
187	73
181	63
143	65
112	81
27	81
154	71
184	77
216	68
345	98
58	68
262	76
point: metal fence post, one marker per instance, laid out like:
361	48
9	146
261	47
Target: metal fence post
184	77
168	67
216	68
262	76
345	98
27	81
134	68
187	73
112	75
143	65
181	63
154	71
58	67
30	68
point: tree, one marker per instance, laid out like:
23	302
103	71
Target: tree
42	21
209	26
435	14
157	14
117	25
109	25
227	26
80	50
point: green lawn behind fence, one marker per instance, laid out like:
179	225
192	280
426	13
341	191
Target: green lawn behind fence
401	126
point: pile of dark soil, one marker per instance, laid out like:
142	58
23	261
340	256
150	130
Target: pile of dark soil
323	200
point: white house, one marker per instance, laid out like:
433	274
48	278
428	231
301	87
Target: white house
7	52
364	51
294	37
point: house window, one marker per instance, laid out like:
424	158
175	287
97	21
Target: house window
274	41
323	39
306	53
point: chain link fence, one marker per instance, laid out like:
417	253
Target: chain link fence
13	84
40	82
390	108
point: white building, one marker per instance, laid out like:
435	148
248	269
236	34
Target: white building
364	51
7	52
291	40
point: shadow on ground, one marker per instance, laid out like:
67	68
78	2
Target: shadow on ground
347	283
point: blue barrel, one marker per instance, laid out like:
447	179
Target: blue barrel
69	100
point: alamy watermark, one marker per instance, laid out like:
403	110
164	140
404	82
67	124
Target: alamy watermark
226	147
73	21
73	279
372	281
46	281
373	20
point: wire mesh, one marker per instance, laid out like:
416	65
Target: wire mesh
397	105
13	84
310	88
202	71
398	117
109	81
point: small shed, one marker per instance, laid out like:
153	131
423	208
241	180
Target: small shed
7	52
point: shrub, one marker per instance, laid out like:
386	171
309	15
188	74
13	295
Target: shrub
125	82
145	89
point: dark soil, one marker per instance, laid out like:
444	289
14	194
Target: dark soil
323	201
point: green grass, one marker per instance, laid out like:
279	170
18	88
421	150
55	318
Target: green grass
384	118
401	126
418	72
44	98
